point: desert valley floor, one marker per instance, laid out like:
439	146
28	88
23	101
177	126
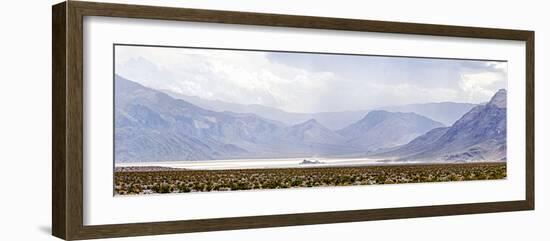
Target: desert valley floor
157	179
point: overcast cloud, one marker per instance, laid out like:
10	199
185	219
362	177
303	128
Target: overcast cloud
299	82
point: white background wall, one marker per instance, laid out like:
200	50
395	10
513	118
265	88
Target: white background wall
25	120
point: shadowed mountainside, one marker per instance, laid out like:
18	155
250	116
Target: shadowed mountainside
479	135
383	129
444	112
153	126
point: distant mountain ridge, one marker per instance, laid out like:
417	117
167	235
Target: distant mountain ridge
444	112
331	120
383	129
479	135
312	131
153	126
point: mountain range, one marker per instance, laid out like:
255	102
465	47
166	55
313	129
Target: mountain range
444	112
479	135
151	125
383	129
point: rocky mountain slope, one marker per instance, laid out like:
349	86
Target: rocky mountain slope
383	129
479	135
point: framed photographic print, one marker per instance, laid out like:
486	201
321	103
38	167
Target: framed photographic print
171	120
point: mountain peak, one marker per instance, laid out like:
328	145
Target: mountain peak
308	125
381	129
377	115
311	122
479	134
312	131
499	99
379	112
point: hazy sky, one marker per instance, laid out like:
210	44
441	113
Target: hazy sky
299	82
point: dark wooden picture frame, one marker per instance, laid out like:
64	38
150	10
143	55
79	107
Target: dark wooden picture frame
67	100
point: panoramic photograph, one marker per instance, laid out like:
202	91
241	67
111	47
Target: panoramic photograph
208	120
